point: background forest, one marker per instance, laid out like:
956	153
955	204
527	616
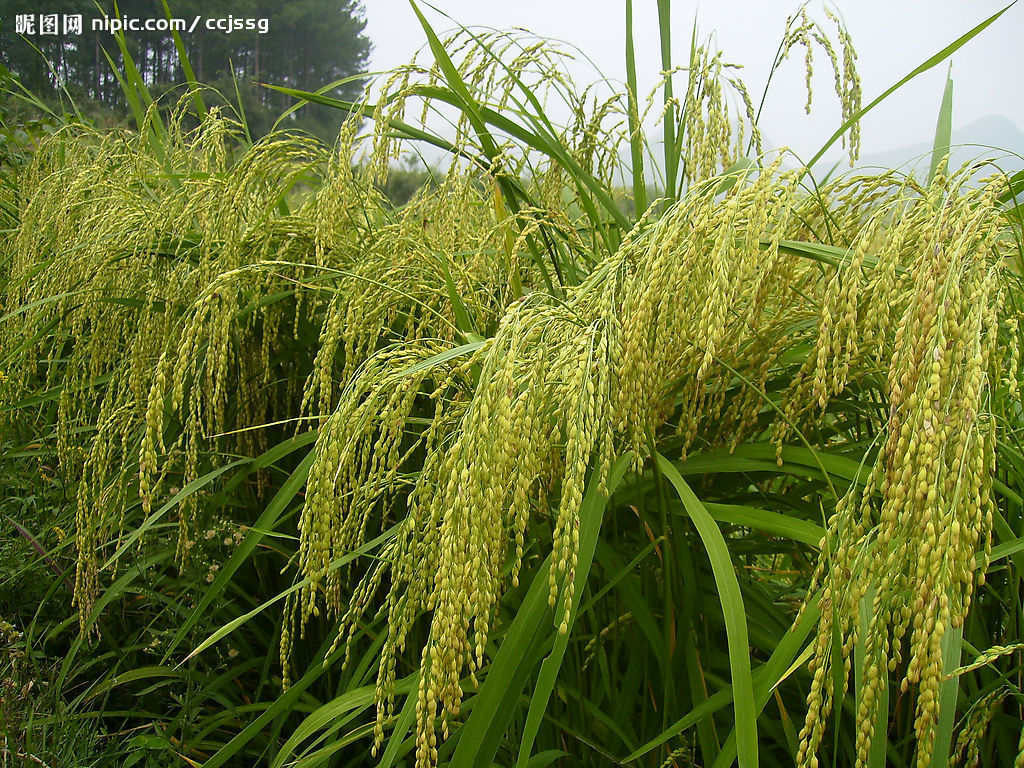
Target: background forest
310	43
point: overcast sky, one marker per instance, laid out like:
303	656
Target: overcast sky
892	37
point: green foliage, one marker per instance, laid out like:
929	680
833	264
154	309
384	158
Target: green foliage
502	470
305	45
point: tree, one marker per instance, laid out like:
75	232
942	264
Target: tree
306	44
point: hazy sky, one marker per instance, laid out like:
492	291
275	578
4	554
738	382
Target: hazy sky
892	37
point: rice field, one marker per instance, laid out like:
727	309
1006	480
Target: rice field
602	450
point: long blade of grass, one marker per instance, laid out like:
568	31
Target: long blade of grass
281	706
784	660
927	64
733	610
949	690
186	65
266	522
111	593
133	84
441	357
139	673
394	747
195	486
943	128
349	702
670	154
591	516
774	523
493	705
235	623
43	553
636	139
581	177
468	105
462	317
457	84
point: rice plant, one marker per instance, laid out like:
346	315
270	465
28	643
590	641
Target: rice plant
519	472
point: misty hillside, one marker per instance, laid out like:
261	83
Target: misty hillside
991	136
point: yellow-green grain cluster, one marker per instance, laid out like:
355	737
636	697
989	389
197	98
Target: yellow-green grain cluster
907	546
481	356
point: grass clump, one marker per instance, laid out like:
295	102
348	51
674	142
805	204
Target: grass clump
508	473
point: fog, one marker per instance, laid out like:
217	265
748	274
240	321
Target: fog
891	38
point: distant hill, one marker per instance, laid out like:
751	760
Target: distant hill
991	136
994	137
